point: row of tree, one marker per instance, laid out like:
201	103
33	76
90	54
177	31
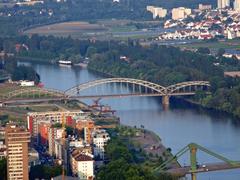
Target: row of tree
9	66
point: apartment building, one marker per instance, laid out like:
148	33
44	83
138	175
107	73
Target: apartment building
17	140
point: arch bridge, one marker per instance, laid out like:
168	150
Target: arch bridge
137	87
32	93
149	88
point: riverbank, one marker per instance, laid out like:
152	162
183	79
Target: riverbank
48	61
152	146
198	105
35	59
143	149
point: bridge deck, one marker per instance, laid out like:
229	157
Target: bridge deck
36	100
208	167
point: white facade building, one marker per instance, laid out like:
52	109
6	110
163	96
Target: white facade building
223	4
180	13
157	11
53	134
100	139
237	5
82	166
27	83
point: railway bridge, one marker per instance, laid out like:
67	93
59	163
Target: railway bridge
137	88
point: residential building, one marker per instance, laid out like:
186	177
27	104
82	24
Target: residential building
58	149
233	74
203	7
82	150
100	139
70	121
61	151
237	5
180	13
17	140
3	147
43	133
33	158
76	143
82	166
223	4
3	150
53	134
157	11
87	126
51	117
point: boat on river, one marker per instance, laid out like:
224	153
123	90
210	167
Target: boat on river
64	62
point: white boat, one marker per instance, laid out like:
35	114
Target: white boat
65	62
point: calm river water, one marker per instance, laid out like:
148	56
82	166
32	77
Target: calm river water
177	127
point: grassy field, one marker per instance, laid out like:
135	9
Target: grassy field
100	30
227	44
7	87
66	28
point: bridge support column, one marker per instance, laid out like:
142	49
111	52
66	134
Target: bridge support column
194	176
165	100
193	159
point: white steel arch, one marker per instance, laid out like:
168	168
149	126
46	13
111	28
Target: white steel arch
161	90
173	88
34	91
155	87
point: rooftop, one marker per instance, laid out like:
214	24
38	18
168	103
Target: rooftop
83	157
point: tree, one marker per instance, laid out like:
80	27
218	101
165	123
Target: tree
215	27
229	20
220	52
69	130
10	64
3	169
91	51
25	73
203	50
116	149
44	172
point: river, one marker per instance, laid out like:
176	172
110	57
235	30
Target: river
177	126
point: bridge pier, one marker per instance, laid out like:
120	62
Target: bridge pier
193	176
193	159
165	100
